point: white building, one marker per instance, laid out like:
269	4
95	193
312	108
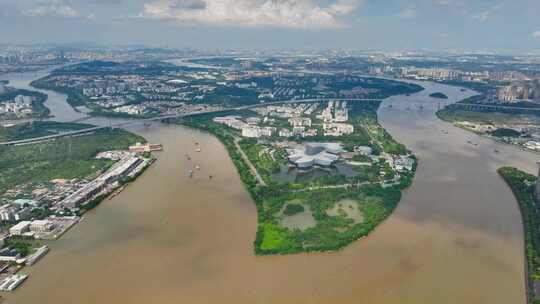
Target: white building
251	132
403	163
7	212
285	133
41	226
20	228
300	121
337	129
321	154
256	132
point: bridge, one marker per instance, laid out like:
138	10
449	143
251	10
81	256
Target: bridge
172	116
485	107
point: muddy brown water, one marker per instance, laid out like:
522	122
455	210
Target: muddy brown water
456	236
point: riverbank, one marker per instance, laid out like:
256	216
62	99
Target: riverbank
513	129
455	220
46	187
324	223
523	187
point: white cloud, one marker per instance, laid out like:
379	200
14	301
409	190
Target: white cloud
536	34
52	8
488	13
252	13
344	7
408	13
443	2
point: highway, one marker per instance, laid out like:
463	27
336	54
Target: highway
172	116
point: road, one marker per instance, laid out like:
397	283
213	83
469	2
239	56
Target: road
252	168
172	116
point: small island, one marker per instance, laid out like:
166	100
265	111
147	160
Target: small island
523	187
438	95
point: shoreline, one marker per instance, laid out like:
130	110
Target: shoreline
256	189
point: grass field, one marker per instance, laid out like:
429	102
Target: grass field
37	129
63	158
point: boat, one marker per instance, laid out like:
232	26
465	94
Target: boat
197	167
497	151
190	173
12	282
198	150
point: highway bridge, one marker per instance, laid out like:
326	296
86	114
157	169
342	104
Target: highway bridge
171	116
485	107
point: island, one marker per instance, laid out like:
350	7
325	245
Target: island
438	95
523	186
322	174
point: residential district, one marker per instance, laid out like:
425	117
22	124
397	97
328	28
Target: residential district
20	104
329	121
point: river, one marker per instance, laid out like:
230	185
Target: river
456	236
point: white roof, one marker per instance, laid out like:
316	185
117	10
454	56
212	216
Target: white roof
21	225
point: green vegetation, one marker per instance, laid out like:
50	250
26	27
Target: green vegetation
63	158
476	86
505	132
24	245
523	185
457	115
74	97
292	209
39	110
438	95
37	129
305	206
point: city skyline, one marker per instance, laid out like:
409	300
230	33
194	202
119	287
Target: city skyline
301	24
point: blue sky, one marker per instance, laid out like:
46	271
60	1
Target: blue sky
352	24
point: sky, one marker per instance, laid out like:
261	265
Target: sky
484	25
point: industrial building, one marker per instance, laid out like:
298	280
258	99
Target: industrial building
96	186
